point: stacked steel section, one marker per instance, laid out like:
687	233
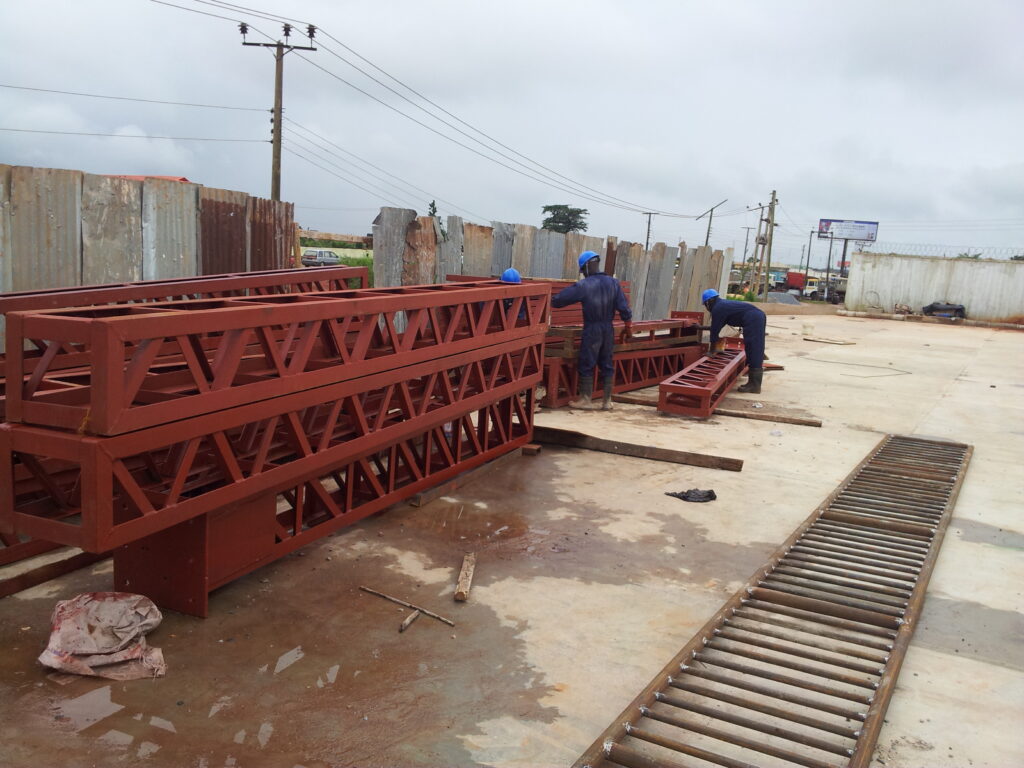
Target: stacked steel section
227	433
60	370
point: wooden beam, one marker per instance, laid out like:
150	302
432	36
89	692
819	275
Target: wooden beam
737	409
44	573
465	578
460	480
571	439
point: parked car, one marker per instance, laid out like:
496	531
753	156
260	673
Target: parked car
320	257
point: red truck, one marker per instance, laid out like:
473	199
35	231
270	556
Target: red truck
796	280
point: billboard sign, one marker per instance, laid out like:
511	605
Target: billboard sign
843	229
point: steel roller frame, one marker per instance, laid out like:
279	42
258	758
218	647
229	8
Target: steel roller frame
699	388
153	364
98	493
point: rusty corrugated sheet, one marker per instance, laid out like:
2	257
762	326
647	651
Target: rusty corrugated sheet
170	224
111	230
223	231
46	243
270	228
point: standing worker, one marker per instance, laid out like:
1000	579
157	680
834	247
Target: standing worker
739	314
601	296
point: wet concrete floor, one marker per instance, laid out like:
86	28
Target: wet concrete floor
588	579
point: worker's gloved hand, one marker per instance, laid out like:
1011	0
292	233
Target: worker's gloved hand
627	332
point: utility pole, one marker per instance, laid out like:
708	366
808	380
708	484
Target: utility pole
710	213
807	267
280	49
768	247
746	238
647	242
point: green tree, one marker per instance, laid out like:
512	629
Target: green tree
1018	257
564	218
968	255
432	211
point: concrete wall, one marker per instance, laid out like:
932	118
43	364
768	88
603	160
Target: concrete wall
989	289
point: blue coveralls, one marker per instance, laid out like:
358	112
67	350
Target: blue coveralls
741	314
601	296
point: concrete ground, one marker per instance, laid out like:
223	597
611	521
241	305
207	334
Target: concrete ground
588	580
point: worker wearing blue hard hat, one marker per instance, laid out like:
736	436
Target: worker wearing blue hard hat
601	297
511	275
739	314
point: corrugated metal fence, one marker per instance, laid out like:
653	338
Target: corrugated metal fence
662	279
63	228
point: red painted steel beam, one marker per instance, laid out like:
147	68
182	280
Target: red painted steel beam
101	492
225	544
697	390
206	287
234	351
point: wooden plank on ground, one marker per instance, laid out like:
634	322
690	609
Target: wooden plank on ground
744	409
465	578
457	482
44	573
731	406
572	439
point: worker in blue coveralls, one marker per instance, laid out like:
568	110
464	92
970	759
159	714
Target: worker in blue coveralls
601	297
739	314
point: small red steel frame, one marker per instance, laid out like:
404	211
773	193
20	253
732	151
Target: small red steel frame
697	390
13	547
278	419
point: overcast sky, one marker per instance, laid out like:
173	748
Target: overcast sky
908	113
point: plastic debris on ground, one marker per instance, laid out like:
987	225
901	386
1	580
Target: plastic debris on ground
103	634
694	494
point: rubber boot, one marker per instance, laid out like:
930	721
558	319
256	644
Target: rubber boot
606	384
753	385
584	402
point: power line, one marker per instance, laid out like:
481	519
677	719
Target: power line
290	151
378	168
130	98
134	135
275	17
397	194
547	181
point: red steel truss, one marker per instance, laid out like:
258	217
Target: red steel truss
153	364
13	547
100	492
226	544
201	439
697	390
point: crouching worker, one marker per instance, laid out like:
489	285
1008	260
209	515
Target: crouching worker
601	297
739	314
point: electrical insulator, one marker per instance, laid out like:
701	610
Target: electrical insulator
243	28
310	30
287	30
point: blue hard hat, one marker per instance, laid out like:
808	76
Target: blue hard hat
710	293
511	275
587	256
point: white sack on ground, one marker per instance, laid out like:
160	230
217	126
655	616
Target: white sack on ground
103	634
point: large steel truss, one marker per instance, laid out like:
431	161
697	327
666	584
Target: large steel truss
228	432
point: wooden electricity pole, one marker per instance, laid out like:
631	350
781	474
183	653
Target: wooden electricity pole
280	49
